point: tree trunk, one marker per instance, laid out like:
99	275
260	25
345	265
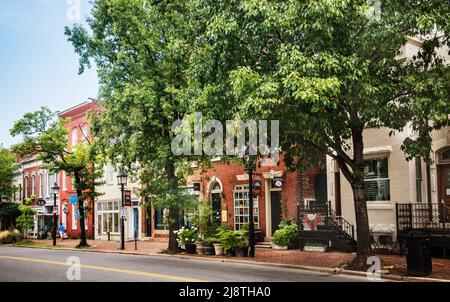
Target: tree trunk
83	241
359	199
174	223
362	225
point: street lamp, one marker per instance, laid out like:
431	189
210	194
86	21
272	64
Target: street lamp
55	191
122	179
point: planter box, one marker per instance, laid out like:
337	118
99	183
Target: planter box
279	247
321	249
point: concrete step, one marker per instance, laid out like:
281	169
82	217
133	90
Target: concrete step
264	245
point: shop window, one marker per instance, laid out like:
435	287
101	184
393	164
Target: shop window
376	179
241	208
159	219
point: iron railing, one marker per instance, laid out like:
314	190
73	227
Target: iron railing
329	218
413	216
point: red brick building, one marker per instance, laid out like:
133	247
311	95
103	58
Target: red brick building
225	185
78	126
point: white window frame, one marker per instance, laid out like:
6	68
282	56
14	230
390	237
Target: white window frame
27	186
85	132
74	217
41	185
380	178
244	190
102	209
33	185
74	137
64	181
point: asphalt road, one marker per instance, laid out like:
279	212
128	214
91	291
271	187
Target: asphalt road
42	265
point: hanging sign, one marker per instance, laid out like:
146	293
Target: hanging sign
73	199
40	202
312	219
122	213
127	194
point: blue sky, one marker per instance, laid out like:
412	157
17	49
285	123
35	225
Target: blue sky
38	66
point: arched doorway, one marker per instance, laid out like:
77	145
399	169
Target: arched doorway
216	191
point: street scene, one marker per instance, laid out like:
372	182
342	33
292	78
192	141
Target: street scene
225	141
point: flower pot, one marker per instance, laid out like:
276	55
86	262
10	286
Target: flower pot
230	253
200	248
209	250
190	248
279	247
241	251
218	249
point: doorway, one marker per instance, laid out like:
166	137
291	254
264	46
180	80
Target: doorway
275	207
216	208
444	184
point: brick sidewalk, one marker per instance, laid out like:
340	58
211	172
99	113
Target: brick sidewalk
441	267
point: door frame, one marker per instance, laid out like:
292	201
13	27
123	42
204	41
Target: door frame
439	169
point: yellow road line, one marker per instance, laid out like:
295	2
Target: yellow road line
109	269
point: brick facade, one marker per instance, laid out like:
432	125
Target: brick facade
297	187
77	124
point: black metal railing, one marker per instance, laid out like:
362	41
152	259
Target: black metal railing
329	218
412	216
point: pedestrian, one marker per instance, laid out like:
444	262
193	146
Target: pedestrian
62	231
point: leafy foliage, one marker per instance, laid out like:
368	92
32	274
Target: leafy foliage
8	170
45	137
286	234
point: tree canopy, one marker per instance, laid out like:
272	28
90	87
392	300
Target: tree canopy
8	171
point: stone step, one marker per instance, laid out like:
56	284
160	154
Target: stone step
264	245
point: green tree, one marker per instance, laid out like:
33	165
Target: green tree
25	221
8	170
141	53
45	136
327	69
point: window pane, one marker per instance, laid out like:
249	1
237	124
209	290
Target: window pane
116	222
383	168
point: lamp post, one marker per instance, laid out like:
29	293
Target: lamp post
55	191
122	181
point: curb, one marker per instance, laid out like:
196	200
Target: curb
331	271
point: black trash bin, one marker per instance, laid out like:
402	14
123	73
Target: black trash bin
418	253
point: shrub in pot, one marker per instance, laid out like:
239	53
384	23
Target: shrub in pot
229	240
285	236
209	247
241	247
186	237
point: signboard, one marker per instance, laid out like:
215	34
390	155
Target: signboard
277	182
40	202
73	199
127	194
224	214
122	212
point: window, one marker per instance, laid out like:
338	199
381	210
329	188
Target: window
241	208
74	137
26	186
445	155
109	213
64	181
33	184
418	179
41	185
74	217
376	178
109	174
85	132
159	219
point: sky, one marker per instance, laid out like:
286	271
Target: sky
38	66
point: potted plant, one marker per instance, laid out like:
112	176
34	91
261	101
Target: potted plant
209	246
285	236
186	238
200	246
241	246
228	239
315	247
